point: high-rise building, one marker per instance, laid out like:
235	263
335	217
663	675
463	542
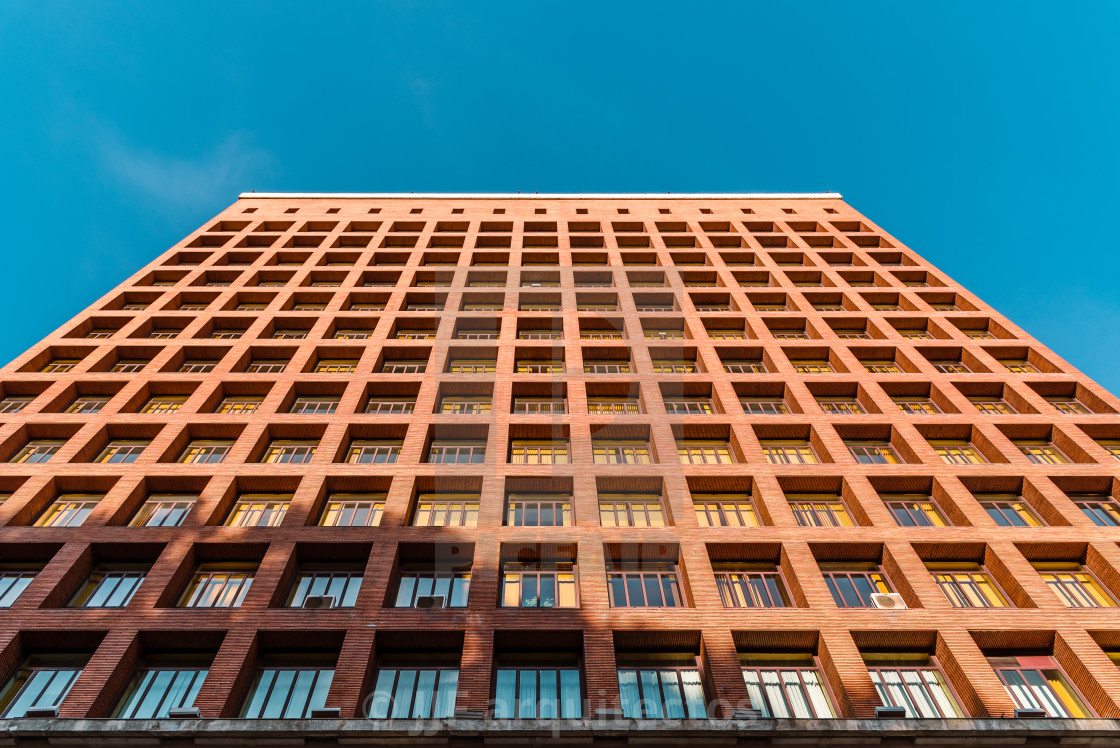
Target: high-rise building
557	468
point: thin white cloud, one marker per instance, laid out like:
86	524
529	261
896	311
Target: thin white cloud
225	169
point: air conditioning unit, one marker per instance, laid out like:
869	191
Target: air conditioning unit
888	601
430	602
314	602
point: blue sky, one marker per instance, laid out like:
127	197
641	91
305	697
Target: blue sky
984	135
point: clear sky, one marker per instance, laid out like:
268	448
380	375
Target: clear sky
982	134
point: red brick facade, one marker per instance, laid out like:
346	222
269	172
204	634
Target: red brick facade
819	257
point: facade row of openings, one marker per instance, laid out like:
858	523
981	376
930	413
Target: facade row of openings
699	397
653	683
535	576
642	504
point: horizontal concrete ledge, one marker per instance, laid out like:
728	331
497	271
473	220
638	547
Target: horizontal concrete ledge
553	195
342	732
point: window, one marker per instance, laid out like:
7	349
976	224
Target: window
543	584
464	405
785	685
163	510
1041	452
314	405
188	367
744	366
819	510
457	451
852	584
1032	684
644	585
812	367
612	405
915	510
673	366
218	586
287	692
452	585
1068	406
704	452
60	365
918	406
158	688
446	510
873	453
542	406
351	334
631	510
724	510
957	452
13	581
881	367
681	406
294	451
206	451
390	406
288	334
239	405
371	451
164	404
258	510
606	367
86	405
1009	510
992	406
1102	510
1018	366
618	451
967	584
914	682
471	366
68	510
845	407
414	693
1074	585
108	588
527	452
657	689
788	452
764	406
753	585
14	404
336	366
539	510
537	693
951	367
41	682
38	450
353	510
122	451
342	585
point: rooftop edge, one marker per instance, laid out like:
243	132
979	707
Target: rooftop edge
554	195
